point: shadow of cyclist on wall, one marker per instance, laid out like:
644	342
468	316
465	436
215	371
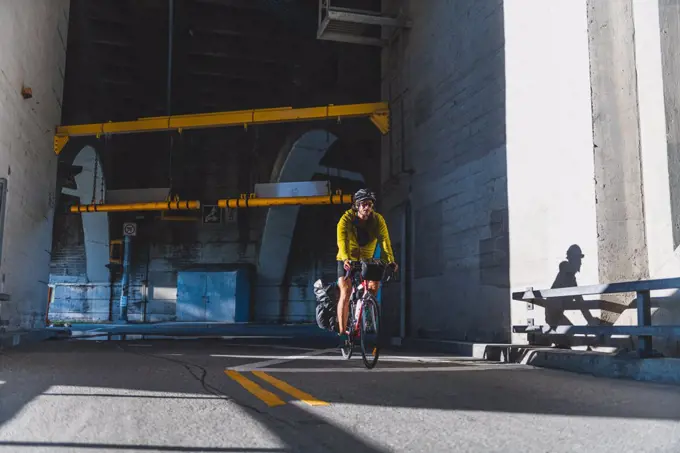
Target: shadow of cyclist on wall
566	278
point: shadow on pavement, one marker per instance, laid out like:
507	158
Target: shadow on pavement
30	372
93	446
194	371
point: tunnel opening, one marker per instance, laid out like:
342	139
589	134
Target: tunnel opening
128	60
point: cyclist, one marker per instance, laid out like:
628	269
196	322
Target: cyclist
358	232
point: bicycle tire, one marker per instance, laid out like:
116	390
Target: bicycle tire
347	349
370	306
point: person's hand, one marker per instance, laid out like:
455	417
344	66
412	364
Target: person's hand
347	265
395	266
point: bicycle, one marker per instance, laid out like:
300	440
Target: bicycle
364	311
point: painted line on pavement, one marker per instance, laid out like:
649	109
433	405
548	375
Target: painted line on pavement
289	389
268	346
266	396
393	370
278	361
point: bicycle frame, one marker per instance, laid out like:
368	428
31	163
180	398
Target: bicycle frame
355	311
356	322
357	307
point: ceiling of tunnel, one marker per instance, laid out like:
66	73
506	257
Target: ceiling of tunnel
226	55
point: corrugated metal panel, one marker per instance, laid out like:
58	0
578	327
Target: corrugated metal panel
220	296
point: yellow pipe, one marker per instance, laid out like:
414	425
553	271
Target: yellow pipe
248	202
154	206
378	112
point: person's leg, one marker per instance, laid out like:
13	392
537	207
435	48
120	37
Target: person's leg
345	286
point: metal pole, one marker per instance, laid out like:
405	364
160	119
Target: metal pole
644	313
378	295
171	20
168	101
402	259
125	283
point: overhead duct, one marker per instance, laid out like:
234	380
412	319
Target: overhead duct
357	26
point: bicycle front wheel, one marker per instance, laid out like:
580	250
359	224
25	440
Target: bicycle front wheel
370	332
348	347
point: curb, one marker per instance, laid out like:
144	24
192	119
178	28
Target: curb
623	365
661	370
13	339
496	352
202	329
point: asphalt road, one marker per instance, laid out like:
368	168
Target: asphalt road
217	396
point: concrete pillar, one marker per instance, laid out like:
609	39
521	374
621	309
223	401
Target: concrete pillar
301	163
551	191
33	36
95	224
657	196
622	242
658	68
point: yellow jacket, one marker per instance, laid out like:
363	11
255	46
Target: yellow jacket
348	244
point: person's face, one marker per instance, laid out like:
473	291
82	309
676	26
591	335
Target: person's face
364	208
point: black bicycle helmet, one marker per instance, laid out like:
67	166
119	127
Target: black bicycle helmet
364	194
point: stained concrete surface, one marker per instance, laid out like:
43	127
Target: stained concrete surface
155	395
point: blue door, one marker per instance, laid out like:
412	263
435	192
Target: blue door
213	296
191	300
220	296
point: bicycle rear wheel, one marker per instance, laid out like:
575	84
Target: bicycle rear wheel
370	332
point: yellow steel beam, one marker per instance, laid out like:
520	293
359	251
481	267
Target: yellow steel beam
153	206
246	201
377	112
254	202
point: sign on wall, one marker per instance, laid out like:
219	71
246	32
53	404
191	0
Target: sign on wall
212	214
130	229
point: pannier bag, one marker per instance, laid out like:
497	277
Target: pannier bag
326	305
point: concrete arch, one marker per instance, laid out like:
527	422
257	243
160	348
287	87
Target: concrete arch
301	164
95	224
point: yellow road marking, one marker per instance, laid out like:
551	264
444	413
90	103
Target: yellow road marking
289	389
268	397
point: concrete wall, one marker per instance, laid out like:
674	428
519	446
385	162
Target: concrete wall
658	69
513	139
446	156
552	201
32	53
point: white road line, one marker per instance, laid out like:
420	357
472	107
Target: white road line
448	369
268	346
338	357
277	361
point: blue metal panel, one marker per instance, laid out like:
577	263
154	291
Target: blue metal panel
214	295
191	296
242	309
220	296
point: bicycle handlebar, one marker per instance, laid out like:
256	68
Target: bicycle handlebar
357	266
